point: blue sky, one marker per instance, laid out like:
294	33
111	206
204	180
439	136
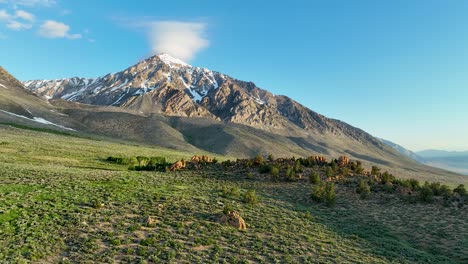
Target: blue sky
397	69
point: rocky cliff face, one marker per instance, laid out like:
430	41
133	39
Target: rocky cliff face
162	84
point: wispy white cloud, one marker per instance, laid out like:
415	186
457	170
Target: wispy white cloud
15	25
182	40
55	29
4	15
31	3
24	15
12	20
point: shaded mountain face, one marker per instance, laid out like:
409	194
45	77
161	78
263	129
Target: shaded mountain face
162	84
404	151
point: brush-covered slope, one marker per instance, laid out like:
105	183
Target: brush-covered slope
21	106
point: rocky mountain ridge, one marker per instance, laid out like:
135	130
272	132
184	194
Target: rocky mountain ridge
163	84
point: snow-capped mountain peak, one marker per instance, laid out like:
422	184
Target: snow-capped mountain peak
171	61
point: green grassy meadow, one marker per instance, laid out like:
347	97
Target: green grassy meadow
61	202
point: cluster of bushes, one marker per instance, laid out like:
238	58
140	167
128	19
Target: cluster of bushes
141	163
425	192
324	192
249	196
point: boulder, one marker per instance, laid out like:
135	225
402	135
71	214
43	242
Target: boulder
234	219
343	161
179	165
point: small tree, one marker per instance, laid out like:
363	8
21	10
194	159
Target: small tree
314	178
425	193
324	193
387	177
363	189
290	174
274	173
375	170
258	160
460	190
329	172
142	161
297	166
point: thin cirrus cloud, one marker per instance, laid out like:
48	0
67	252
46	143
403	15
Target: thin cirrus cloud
54	29
31	3
15	25
182	40
18	21
24	15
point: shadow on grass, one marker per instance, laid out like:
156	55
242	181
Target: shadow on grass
354	223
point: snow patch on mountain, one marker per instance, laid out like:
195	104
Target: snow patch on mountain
38	120
171	61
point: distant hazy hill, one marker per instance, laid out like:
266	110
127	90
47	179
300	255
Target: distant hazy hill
456	161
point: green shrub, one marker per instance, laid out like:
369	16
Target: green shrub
324	193
265	168
329	172
314	178
460	190
249	176
343	171
232	192
258	160
375	171
438	189
298	167
228	208
290	174
122	161
250	197
425	193
387	178
414	184
271	158
363	189
274	173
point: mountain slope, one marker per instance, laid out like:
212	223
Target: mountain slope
163	101
18	105
162	84
403	150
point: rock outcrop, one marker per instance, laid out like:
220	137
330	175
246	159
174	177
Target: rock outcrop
234	219
179	165
343	161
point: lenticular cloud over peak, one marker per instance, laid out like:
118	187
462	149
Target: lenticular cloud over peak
178	39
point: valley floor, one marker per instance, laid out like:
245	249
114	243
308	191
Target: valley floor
60	201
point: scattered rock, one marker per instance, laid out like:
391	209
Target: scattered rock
179	165
234	219
343	161
320	160
149	221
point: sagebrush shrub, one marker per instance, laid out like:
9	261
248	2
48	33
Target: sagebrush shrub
324	193
363	189
314	178
250	197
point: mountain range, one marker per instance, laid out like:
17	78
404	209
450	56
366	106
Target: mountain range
455	161
167	102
